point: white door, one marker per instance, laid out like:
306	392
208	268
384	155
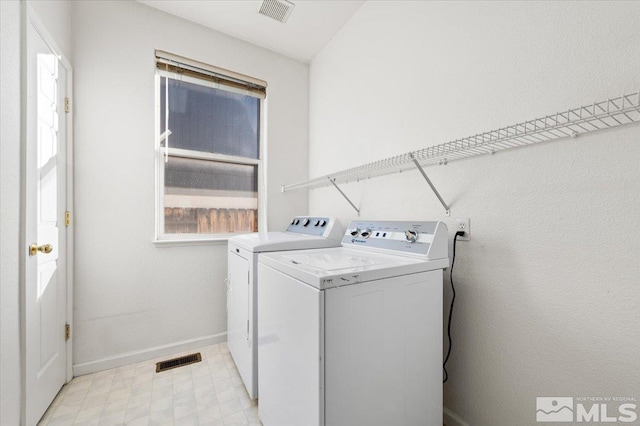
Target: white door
45	231
238	316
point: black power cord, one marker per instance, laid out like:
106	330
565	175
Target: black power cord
453	299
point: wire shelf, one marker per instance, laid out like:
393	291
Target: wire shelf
613	112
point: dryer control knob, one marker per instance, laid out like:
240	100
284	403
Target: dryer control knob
317	223
323	222
355	232
366	233
411	236
297	221
306	222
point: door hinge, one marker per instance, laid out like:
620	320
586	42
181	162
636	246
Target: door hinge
67	332
67	218
67	105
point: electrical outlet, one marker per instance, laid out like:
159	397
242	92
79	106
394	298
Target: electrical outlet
463	224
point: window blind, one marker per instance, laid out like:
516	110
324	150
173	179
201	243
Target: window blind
183	66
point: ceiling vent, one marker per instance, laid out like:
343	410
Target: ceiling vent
276	9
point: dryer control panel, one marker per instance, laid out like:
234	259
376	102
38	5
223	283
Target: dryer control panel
315	225
428	239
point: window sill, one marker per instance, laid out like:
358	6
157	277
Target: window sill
191	242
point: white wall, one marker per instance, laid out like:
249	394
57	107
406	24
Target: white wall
56	15
129	294
549	285
10	384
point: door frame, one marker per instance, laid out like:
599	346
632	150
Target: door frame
30	17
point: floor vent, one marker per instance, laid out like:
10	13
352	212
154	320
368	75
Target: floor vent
276	9
178	362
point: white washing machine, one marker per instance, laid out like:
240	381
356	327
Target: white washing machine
352	335
303	232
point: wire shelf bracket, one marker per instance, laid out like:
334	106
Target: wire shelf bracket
344	195
447	210
613	112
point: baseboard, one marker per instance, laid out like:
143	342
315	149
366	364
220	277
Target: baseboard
452	419
146	354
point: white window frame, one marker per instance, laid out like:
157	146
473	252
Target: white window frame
168	239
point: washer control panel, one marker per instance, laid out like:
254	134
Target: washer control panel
421	238
311	225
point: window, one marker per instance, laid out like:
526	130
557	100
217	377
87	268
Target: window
208	145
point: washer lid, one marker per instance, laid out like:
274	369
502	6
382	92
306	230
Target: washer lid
331	261
334	267
259	242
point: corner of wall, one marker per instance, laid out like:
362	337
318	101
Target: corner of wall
452	419
11	13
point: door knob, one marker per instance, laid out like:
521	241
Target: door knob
34	249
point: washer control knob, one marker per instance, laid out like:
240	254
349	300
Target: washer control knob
411	236
317	223
293	222
355	232
366	233
306	222
323	222
297	221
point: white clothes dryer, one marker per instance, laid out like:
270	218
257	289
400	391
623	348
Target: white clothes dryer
352	335
304	232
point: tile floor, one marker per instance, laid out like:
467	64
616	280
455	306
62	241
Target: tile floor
205	393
